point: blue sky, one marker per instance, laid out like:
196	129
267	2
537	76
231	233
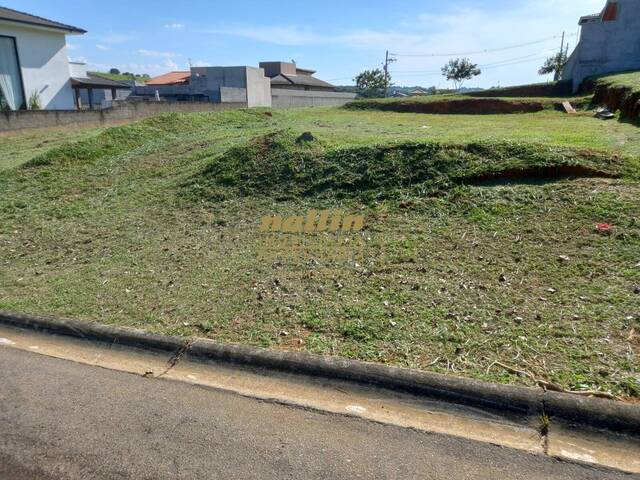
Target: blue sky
337	38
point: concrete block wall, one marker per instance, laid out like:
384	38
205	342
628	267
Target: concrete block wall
607	46
233	95
282	98
220	84
258	88
121	113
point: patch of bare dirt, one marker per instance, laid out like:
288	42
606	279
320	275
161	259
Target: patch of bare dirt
472	106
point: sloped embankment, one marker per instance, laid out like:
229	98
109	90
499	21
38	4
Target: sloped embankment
118	140
281	165
618	93
459	106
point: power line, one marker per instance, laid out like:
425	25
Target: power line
479	52
419	73
489	66
486	65
507	62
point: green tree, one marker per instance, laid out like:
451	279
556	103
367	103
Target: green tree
555	64
459	70
372	83
114	71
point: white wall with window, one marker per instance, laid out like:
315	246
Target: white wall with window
34	63
11	88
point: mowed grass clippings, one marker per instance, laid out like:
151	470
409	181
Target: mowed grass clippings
463	278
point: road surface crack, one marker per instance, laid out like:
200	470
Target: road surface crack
176	357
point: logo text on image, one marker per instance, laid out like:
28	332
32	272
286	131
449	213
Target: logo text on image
331	221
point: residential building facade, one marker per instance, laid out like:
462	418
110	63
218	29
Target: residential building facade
246	85
34	62
609	42
273	84
289	76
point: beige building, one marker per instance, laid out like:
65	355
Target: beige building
288	76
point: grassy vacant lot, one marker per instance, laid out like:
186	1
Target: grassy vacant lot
478	257
17	149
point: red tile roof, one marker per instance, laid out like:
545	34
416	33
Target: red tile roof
171	78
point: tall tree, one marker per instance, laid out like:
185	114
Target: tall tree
555	64
460	70
372	83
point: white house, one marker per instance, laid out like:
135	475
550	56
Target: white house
34	61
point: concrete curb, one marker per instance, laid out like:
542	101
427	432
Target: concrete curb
521	404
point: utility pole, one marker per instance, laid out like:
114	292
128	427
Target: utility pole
387	60
558	67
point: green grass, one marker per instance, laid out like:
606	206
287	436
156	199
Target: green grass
618	92
279	164
156	225
16	149
118	77
629	80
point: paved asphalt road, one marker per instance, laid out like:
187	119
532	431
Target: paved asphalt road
61	420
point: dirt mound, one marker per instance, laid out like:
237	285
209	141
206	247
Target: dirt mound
276	165
619	92
471	106
618	98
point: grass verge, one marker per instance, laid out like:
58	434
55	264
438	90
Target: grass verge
156	225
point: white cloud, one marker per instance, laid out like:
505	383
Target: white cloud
200	63
72	46
457	30
174	26
78	59
155	53
116	38
279	35
102	47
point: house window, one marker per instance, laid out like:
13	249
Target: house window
10	75
610	12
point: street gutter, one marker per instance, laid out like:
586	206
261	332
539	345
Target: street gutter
509	406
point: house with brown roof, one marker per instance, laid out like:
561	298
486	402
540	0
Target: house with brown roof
171	78
289	76
272	84
34	62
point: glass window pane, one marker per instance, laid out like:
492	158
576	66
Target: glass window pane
10	79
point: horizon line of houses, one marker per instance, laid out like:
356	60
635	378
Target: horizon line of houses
35	68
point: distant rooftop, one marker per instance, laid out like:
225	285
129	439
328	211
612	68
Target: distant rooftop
305	80
14	16
171	78
273	69
97	81
590	18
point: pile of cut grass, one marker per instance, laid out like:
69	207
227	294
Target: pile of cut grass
125	138
280	164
